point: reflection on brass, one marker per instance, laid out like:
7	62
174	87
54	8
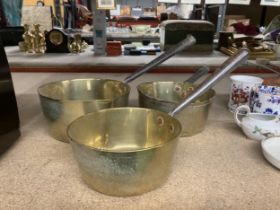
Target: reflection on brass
256	47
268	54
33	40
124	151
77	45
64	101
56	38
228	51
165	96
39	40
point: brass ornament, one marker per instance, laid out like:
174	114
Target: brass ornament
77	45
33	40
39	40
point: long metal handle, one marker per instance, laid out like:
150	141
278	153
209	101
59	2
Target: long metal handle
186	43
199	73
265	67
228	66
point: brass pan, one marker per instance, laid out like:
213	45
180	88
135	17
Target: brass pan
166	95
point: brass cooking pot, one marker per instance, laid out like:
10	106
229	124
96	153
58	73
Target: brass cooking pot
64	101
165	95
124	151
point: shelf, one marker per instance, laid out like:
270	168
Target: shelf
87	62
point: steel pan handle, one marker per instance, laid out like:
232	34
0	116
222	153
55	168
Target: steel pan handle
199	73
186	43
228	66
265	67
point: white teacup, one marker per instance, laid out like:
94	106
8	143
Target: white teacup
241	88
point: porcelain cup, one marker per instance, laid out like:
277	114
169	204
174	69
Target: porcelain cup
257	126
266	100
241	89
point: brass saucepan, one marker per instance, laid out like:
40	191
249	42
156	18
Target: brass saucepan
128	151
64	101
165	96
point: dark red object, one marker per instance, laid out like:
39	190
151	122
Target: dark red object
129	21
114	48
249	30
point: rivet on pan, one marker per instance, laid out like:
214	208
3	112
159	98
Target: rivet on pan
171	128
184	94
190	88
177	88
160	121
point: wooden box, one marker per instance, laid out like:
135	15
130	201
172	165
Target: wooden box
114	48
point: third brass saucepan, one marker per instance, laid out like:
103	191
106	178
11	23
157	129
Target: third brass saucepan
64	101
166	95
128	151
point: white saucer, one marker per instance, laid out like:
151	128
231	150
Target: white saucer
271	150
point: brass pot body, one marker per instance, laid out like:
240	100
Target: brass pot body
166	95
124	151
64	101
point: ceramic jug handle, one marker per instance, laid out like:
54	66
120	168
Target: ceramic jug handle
237	112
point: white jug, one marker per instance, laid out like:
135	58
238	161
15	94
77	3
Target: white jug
257	126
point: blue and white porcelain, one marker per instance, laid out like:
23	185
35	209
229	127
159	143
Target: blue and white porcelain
266	100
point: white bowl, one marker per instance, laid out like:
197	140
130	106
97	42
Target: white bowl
271	150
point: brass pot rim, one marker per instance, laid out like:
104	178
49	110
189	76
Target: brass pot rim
203	103
176	136
39	89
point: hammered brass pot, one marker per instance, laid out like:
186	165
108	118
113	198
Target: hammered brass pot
124	151
166	95
64	101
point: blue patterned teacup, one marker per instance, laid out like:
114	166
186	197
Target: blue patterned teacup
266	100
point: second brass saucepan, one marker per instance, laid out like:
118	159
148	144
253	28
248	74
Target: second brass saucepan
166	95
129	151
64	101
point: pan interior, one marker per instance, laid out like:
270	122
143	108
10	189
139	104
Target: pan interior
84	89
124	129
173	92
